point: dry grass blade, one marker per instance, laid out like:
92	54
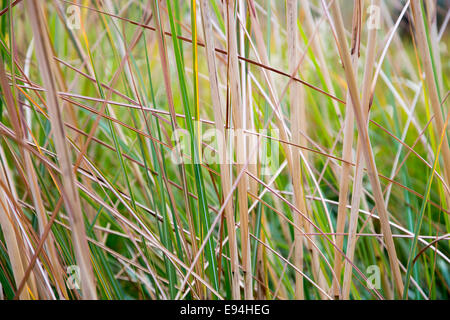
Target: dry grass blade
347	149
219	124
72	203
298	121
241	153
7	223
274	100
366	147
357	187
430	80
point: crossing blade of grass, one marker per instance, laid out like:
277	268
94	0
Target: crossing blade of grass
196	154
161	170
7	223
318	50
162	53
412	252
432	26
347	150
366	147
262	52
219	125
357	187
430	80
195	74
298	113
203	214
31	175
72	203
240	148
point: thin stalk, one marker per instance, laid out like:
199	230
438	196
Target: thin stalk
7	223
357	182
219	124
366	147
72	201
431	85
241	154
297	104
346	152
317	272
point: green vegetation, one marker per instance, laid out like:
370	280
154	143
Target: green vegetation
208	149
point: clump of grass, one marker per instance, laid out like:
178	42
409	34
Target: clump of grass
224	149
